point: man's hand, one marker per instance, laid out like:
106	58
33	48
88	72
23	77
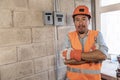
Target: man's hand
72	54
76	55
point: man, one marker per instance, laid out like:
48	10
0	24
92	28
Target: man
84	49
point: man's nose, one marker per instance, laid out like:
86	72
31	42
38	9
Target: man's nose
80	22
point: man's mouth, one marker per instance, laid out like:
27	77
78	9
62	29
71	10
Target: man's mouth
81	32
81	26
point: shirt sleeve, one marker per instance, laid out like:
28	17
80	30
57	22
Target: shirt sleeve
67	43
66	46
102	46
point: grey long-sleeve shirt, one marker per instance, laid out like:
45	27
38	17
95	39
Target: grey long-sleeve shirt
99	41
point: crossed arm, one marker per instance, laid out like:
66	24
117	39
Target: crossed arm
88	57
94	56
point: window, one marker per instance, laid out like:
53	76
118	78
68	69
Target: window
110	27
109	2
108	18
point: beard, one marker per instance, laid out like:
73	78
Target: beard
82	31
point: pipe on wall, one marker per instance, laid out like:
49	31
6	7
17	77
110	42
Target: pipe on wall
56	9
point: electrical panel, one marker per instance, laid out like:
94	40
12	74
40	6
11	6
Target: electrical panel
48	18
59	18
56	18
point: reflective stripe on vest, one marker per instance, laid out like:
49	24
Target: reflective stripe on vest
85	71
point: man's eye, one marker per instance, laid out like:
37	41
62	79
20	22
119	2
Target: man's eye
84	19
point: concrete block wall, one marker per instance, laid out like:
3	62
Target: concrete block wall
27	46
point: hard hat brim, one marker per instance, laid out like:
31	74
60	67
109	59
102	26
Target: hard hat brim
89	16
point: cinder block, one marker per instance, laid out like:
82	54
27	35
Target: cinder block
51	62
40	76
69	8
27	78
69	19
17	70
50	46
42	5
14	36
39	35
28	19
83	2
41	64
5	18
43	34
31	51
8	55
50	42
52	74
14	4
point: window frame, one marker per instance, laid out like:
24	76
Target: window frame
102	9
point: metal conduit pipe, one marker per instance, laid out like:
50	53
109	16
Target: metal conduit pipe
56	9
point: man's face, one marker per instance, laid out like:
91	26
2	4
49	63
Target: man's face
81	23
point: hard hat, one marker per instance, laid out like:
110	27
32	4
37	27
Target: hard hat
82	9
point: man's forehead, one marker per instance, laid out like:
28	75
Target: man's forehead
81	16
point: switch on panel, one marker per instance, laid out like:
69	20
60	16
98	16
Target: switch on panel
48	18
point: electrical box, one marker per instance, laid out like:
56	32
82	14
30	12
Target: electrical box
59	19
48	18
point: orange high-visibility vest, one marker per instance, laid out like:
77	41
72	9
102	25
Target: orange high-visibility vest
87	71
